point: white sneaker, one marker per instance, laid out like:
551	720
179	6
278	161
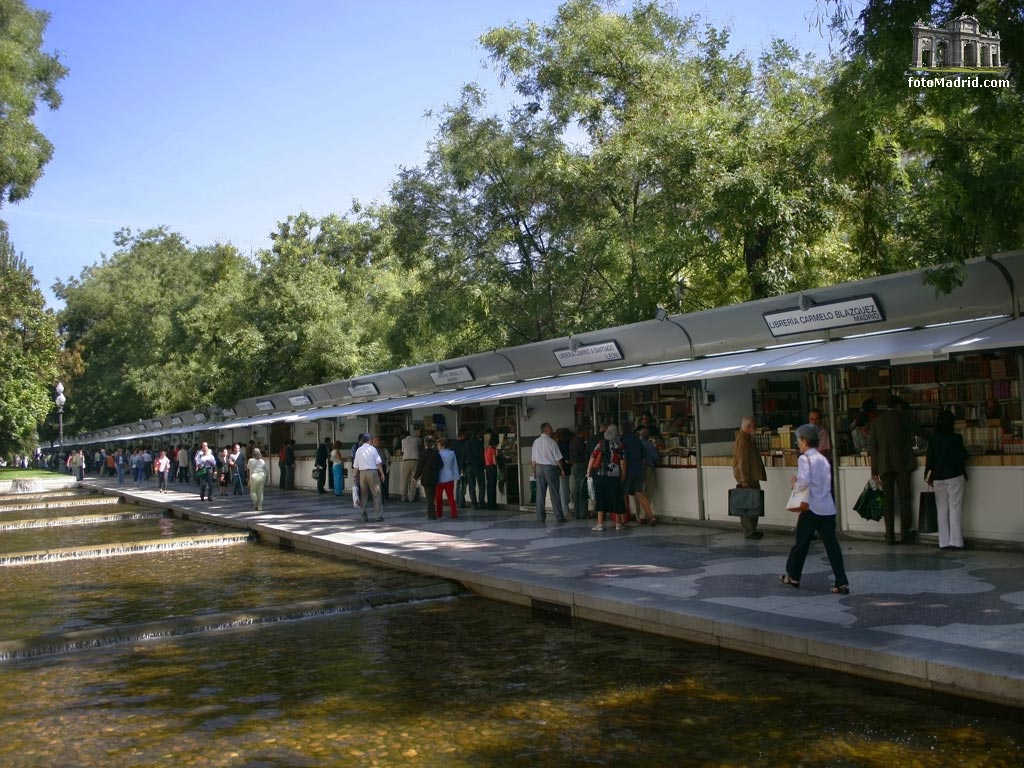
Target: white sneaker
597	528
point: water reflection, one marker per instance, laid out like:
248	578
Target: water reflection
466	682
72	595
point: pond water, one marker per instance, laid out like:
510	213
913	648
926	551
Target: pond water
452	682
86	534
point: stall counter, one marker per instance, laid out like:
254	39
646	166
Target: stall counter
992	506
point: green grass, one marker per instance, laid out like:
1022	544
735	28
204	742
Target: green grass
8	473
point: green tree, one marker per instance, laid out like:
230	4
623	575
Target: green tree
321	301
29	352
27	77
160	326
935	172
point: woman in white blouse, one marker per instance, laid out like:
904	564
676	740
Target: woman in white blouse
817	514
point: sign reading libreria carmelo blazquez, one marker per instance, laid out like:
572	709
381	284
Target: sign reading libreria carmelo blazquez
820	317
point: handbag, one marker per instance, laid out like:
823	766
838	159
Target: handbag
317	472
797	501
747	502
927	513
869	504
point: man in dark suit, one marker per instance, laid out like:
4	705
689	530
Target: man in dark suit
321	463
891	445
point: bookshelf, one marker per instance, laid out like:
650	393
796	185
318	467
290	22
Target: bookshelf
778	403
982	391
390	426
670	406
471	419
505	420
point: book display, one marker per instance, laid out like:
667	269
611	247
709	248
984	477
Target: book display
982	391
670	407
778	404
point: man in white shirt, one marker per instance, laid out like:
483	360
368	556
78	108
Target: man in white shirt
544	456
410	455
369	473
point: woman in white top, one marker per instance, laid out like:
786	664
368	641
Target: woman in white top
162	465
257	479
817	515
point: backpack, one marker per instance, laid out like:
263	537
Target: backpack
608	467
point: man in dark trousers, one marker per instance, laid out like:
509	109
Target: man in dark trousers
321	463
891	445
458	445
473	450
282	466
289	465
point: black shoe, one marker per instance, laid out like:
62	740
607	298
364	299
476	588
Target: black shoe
910	538
756	535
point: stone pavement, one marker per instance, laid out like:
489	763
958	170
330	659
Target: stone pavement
945	621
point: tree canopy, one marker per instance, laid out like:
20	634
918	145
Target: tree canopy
27	77
29	352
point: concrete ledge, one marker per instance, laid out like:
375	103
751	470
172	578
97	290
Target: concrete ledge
37	484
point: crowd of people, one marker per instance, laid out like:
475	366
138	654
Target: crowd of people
614	468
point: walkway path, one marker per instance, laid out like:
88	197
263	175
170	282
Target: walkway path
948	621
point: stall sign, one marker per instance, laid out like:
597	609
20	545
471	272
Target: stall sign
362	390
820	317
589	354
452	376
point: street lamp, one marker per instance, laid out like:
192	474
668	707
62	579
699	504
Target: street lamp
60	400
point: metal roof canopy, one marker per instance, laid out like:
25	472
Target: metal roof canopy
1004	336
900	347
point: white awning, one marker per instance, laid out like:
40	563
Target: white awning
1004	336
898	348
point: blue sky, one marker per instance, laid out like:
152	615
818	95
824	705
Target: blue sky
219	118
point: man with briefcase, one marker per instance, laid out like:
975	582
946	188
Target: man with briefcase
748	469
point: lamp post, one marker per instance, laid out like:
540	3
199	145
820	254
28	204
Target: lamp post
60	400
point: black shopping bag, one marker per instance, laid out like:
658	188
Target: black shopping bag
927	513
747	502
869	503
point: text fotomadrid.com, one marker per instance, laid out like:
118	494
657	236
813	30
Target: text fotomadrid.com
956	82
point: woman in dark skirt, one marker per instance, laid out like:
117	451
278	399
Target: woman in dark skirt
607	468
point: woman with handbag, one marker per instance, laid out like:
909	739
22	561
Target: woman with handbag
817	512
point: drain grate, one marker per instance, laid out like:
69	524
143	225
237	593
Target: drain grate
562	610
